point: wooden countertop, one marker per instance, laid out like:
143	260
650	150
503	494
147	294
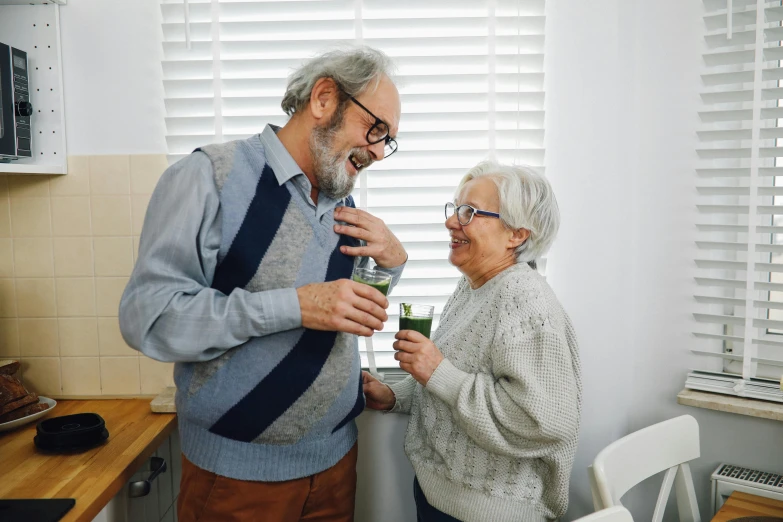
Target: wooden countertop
740	505
94	476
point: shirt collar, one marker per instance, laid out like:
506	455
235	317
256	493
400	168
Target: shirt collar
285	168
281	161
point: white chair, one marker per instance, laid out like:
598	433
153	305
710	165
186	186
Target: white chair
666	446
612	514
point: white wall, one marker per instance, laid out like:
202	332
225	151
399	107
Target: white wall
112	75
666	87
622	91
622	83
590	266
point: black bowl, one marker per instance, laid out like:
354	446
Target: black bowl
70	432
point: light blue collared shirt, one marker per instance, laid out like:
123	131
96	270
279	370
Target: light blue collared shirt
286	168
169	311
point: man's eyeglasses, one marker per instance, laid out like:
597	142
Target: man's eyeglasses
378	132
465	213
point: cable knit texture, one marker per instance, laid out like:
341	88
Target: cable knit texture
493	435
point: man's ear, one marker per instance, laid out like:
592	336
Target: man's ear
324	99
518	237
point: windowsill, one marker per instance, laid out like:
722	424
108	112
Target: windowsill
731	404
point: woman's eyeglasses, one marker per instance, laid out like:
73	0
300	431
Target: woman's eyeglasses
465	213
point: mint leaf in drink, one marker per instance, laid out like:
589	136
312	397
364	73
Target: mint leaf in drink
406	310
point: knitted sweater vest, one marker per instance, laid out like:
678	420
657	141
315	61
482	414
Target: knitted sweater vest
281	406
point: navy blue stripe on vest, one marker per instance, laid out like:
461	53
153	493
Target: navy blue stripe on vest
355	411
262	220
279	390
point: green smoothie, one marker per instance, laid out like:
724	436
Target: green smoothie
422	325
381	287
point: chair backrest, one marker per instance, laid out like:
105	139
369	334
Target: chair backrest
612	514
666	446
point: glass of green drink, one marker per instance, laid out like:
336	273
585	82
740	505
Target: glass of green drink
375	278
381	281
416	317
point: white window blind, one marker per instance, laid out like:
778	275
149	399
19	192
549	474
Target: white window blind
739	296
471	78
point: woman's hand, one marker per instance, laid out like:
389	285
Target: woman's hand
379	396
417	355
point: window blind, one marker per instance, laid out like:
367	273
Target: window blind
739	281
471	79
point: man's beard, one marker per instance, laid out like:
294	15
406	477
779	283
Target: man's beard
329	166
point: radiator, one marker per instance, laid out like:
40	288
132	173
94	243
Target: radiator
728	478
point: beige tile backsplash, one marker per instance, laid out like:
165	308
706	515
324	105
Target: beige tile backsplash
33	257
9	338
71	216
67	248
6	257
78	336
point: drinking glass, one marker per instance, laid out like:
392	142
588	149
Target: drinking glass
416	317
380	281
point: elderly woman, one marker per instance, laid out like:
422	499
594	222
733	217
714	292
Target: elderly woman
495	396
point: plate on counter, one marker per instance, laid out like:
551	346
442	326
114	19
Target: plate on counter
30	418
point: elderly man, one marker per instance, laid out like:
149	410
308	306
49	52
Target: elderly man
243	280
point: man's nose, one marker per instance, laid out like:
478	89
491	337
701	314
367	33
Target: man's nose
377	150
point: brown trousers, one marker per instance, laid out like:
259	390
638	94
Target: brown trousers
324	497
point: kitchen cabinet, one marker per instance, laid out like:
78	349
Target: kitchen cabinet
98	476
159	505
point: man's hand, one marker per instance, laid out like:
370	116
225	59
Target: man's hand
379	396
417	355
381	244
342	306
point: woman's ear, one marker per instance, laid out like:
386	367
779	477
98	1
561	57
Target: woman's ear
518	237
323	99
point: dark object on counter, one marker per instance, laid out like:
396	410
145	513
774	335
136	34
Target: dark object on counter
80	431
8	367
15	400
10	389
24	411
28	399
39	509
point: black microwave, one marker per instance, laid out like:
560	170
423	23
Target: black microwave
16	111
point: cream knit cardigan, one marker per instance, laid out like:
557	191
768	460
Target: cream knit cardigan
492	436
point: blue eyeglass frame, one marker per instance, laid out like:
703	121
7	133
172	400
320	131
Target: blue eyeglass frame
455	210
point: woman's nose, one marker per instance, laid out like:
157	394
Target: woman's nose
452	223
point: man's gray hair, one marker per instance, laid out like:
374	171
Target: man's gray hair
526	201
355	70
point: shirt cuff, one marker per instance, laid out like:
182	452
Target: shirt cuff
395	272
279	310
446	381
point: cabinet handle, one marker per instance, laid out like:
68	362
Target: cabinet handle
141	488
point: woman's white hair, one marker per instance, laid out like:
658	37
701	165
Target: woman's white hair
526	201
354	69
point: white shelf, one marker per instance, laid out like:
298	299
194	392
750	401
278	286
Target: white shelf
30	2
23	168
